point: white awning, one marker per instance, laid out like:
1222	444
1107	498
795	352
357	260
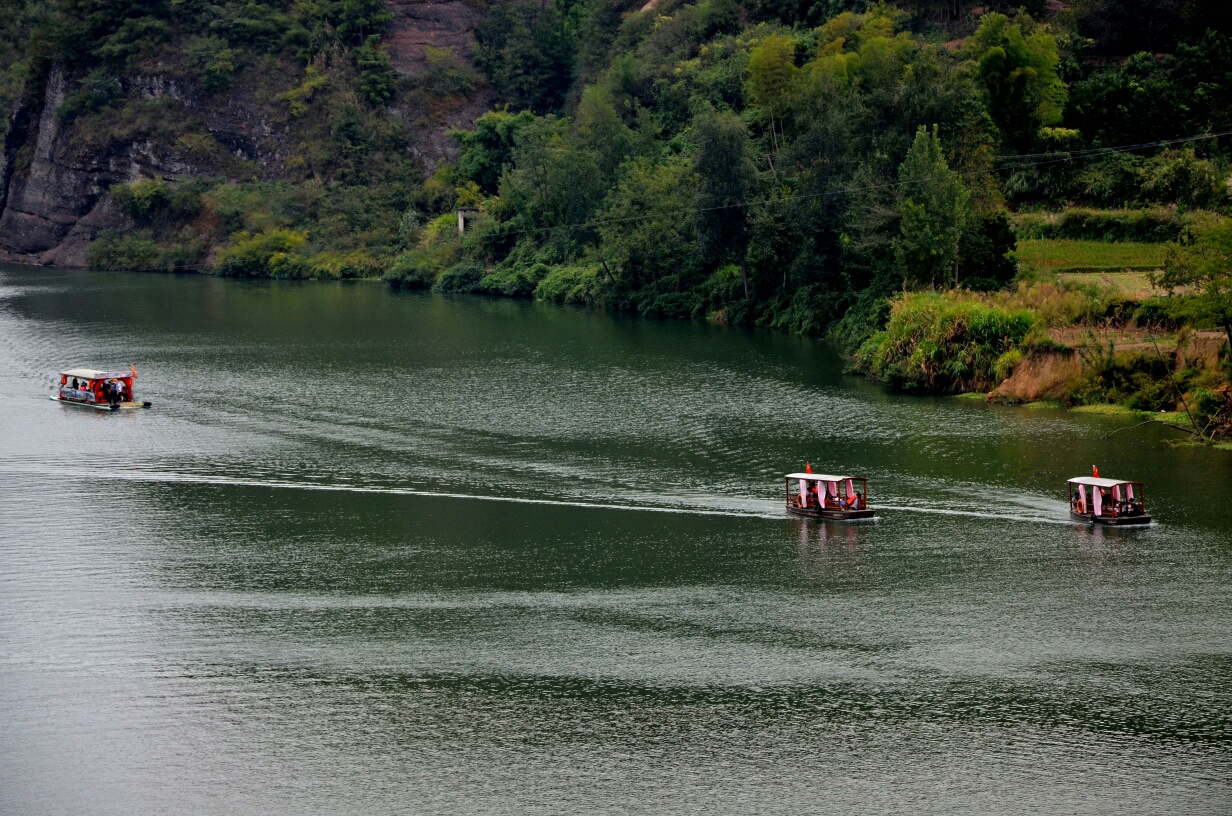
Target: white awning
91	374
820	477
1094	482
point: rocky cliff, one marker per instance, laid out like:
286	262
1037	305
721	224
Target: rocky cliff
55	176
436	24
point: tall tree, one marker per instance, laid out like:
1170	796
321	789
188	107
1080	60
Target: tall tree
724	162
1017	70
933	205
1204	262
772	69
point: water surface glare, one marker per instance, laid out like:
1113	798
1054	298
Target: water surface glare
383	553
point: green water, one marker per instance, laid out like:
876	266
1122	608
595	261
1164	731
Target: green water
387	553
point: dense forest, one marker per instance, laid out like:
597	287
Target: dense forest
862	169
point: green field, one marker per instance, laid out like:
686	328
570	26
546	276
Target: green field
1062	255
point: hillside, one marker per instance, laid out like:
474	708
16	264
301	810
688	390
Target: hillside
793	165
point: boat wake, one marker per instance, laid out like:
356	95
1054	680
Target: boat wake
227	481
941	511
772	511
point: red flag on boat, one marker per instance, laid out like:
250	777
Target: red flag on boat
1095	471
808	468
133	369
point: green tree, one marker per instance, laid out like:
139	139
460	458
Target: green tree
555	186
1017	71
772	70
648	234
599	128
1204	261
488	149
376	70
933	205
528	50
724	163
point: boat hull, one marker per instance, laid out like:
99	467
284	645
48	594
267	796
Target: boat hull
102	406
1112	521
835	515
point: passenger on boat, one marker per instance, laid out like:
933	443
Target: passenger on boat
74	386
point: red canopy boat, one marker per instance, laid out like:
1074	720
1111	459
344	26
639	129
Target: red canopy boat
103	390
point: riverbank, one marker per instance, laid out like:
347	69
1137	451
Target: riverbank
1060	344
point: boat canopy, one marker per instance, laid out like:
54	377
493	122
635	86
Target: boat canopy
821	477
1096	482
91	374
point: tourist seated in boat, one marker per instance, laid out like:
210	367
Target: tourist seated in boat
814	494
98	389
1112	500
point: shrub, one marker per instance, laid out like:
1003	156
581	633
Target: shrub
1138	380
986	252
213	61
348	265
573	284
515	281
97	91
376	71
410	271
943	343
1149	226
140	252
1006	363
250	255
461	277
1180	177
142	199
115	251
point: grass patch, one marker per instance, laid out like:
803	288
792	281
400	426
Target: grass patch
1040	404
1064	254
1105	409
973	395
1133	285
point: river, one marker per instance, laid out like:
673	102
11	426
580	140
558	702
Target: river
383	553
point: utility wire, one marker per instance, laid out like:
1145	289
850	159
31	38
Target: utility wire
1052	157
1056	158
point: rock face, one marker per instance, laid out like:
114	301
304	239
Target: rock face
43	204
445	25
54	199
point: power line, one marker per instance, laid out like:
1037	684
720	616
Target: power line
1053	157
1057	157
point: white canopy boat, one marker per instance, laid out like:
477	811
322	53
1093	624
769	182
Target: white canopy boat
818	495
1108	501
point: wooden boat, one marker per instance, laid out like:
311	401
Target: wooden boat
842	497
1107	501
101	390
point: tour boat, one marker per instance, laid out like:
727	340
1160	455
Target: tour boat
841	497
102	390
1108	501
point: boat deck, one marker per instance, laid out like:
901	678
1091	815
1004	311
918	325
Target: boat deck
831	513
101	406
1112	521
